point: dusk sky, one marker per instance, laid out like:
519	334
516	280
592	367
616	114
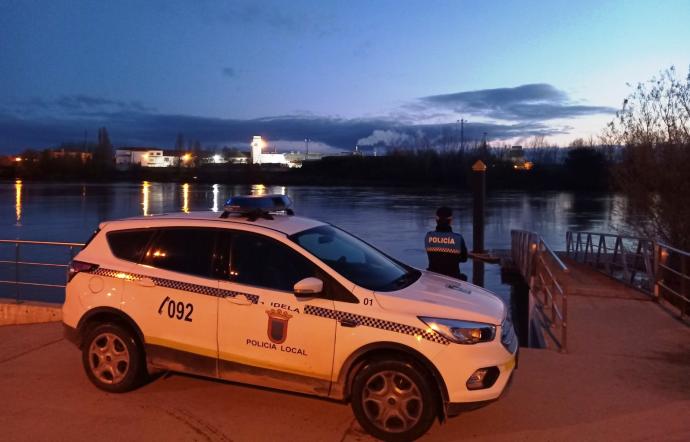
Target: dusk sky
341	74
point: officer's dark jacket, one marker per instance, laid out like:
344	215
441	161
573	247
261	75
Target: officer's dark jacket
446	250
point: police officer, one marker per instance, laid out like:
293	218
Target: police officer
445	249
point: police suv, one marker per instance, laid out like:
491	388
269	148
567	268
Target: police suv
260	296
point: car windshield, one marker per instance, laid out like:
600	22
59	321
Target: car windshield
356	260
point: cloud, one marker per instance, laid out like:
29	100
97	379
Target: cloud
506	113
137	128
294	21
72	105
529	102
229	72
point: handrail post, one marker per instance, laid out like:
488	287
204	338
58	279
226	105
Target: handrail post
16	272
683	283
656	290
564	324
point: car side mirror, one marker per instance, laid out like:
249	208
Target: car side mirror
308	287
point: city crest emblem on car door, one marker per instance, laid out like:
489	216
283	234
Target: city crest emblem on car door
277	325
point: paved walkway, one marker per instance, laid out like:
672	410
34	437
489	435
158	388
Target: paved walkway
627	377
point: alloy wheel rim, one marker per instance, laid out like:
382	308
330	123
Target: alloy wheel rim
392	401
108	358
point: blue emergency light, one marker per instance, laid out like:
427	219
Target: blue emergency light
257	206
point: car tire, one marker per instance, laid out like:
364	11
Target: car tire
393	400
113	358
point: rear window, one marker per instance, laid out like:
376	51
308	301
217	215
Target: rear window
129	245
184	250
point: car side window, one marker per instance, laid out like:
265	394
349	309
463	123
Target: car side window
129	245
184	250
264	262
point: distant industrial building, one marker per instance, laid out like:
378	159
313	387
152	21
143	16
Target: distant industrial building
239	158
299	157
126	157
147	157
258	157
517	156
70	153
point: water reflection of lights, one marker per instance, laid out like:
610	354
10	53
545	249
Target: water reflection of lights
258	189
185	198
145	200
215	197
18	201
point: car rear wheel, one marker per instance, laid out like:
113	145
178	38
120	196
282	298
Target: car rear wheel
393	401
113	358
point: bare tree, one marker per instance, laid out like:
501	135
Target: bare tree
654	173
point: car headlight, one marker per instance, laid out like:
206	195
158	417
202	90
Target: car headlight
461	332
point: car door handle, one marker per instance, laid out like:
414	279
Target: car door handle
349	323
239	300
146	282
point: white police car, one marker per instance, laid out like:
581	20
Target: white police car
263	297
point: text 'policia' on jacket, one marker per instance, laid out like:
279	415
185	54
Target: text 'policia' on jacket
446	250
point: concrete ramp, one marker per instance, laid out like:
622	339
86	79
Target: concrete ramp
625	378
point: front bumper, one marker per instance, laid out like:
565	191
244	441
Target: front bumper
455	408
461	361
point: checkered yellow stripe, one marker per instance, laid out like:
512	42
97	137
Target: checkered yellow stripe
381	324
176	285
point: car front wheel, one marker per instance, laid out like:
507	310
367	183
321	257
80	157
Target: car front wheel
113	358
392	400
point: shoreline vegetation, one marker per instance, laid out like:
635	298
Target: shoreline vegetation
583	168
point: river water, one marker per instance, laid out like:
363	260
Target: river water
393	219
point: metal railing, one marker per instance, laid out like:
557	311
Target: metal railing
661	271
18	263
538	264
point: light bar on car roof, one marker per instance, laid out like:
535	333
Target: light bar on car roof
256	206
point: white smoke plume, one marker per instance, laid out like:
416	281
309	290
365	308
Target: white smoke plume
385	137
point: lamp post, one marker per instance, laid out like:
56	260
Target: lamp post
479	190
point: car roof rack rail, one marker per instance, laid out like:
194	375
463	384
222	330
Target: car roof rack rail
254	207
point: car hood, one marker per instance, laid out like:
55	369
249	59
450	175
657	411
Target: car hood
438	296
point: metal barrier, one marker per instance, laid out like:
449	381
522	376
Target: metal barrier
18	263
535	260
657	269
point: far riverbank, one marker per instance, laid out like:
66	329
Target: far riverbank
586	171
